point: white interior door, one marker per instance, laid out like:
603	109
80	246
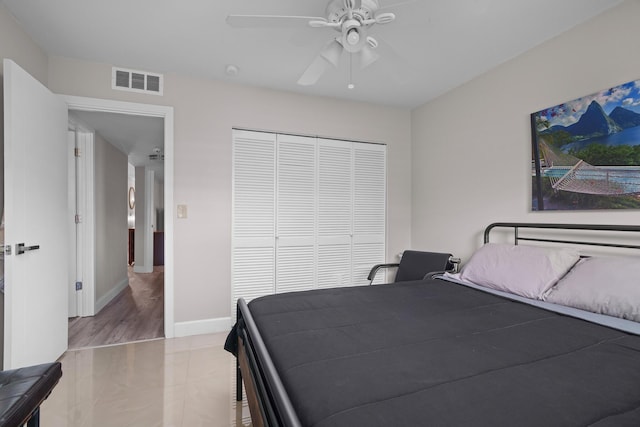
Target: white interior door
36	214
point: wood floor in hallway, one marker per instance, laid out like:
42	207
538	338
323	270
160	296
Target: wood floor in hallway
137	313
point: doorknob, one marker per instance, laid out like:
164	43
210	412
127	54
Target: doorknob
21	248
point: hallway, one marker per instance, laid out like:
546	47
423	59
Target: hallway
137	313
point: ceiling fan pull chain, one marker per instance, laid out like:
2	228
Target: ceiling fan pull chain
350	85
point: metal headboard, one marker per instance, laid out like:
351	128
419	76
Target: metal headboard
516	226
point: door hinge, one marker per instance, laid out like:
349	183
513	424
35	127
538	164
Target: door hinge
78	219
78	286
76	152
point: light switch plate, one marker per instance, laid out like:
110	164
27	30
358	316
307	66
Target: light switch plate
182	211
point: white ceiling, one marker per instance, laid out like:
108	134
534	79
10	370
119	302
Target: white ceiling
433	46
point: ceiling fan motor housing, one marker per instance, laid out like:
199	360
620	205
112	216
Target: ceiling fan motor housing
337	12
352	21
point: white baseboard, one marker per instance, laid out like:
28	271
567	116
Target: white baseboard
106	298
199	327
142	268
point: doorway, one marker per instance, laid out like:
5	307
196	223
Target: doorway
135	314
142	282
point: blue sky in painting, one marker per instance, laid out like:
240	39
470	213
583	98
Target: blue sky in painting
626	95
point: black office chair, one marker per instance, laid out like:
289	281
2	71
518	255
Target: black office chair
418	265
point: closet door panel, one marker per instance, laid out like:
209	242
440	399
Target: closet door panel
253	225
335	188
253	272
295	213
335	212
295	268
367	252
334	265
369	218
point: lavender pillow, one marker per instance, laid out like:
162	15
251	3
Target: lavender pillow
602	285
528	271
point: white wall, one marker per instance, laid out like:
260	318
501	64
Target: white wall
16	45
111	181
205	112
471	147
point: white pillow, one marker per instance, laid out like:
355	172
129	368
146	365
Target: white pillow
608	286
529	271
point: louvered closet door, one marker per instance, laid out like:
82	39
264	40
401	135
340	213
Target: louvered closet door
296	213
253	241
369	166
307	213
335	213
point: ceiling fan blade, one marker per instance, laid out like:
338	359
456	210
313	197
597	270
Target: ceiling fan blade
271	21
313	72
351	5
367	56
332	52
330	55
355	4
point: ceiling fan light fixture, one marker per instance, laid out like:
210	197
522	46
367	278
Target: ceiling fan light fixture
353	37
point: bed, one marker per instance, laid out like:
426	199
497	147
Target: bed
458	350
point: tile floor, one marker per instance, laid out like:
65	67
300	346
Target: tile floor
178	382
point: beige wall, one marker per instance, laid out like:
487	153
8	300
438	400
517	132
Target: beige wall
111	220
471	147
205	112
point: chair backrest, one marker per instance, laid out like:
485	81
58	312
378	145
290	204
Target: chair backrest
414	265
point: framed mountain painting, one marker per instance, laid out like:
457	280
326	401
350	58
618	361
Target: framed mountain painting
586	152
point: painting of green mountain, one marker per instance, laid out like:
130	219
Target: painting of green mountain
586	152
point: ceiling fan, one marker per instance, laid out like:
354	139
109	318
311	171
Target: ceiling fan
351	18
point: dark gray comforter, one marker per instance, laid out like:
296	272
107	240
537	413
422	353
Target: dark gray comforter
440	354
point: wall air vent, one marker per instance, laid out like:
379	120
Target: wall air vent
136	81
